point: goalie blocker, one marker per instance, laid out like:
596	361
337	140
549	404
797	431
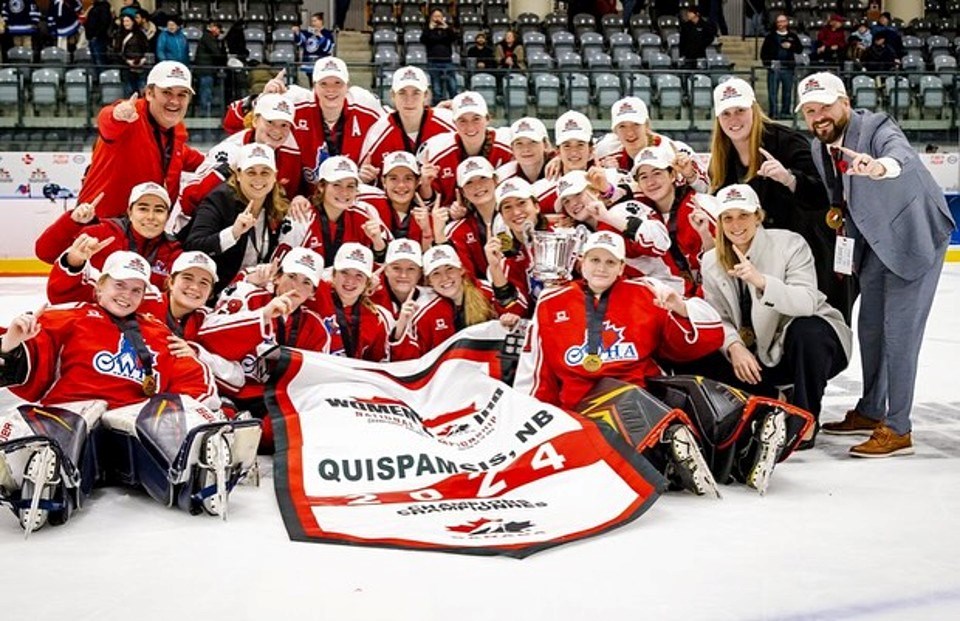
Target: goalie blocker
741	437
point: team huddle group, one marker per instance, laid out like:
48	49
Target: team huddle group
332	222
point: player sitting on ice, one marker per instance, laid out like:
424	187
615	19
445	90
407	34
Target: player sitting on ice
104	364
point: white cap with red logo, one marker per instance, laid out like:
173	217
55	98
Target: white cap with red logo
197	259
469	102
475	166
438	256
354	256
255	154
303	261
400	249
337	168
605	240
149	187
529	127
660	156
330	67
170	74
400	159
823	88
572	183
732	93
514	187
126	265
572	125
629	109
409	76
737	196
274	107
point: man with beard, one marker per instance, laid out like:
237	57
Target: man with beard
893	227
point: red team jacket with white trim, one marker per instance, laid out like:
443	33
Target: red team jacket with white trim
446	152
240	307
81	354
387	135
635	335
436	321
374	325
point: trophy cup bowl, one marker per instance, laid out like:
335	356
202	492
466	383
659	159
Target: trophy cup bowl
555	253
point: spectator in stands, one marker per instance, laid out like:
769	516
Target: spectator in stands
747	147
172	43
440	37
509	52
317	42
879	57
482	52
832	42
211	55
21	19
145	23
131	46
756	12
894	40
63	22
97	29
714	8
696	34
779	50
340	14
631	8
142	140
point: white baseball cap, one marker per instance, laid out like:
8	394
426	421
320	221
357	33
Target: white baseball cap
572	183
303	261
823	88
124	265
438	256
337	168
572	125
733	93
169	74
354	256
399	249
409	76
330	67
514	187
149	187
195	258
274	107
529	127
255	153
660	157
475	166
629	109
737	196
469	102
605	240
608	145
400	159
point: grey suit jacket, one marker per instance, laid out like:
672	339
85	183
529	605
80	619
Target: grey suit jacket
784	258
905	220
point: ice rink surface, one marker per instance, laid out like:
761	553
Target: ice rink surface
835	538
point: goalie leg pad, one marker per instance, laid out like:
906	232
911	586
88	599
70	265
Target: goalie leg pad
44	460
166	441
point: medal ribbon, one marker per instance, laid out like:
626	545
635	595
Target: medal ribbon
131	331
595	314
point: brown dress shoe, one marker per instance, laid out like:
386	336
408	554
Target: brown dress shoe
884	442
853	424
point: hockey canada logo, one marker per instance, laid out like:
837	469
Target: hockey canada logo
524	126
404	247
39	175
357	255
571	125
177	73
613	347
258	151
733	194
729	92
283	106
626	108
409	74
812	85
344	165
484	526
124	363
468	100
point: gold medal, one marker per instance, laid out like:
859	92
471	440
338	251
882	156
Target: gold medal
592	363
149	385
834	218
506	241
748	336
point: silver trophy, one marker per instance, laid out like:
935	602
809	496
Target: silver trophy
554	254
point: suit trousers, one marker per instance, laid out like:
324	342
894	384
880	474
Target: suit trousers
893	315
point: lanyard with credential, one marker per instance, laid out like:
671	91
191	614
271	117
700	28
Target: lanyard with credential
349	331
595	314
131	332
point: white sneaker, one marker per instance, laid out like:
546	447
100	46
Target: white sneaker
772	437
40	477
688	462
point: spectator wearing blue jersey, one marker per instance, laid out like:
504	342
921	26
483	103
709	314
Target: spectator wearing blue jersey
172	43
21	18
63	21
317	42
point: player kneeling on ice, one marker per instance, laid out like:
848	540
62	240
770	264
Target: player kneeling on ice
102	364
603	328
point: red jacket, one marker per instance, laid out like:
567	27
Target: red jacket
387	135
635	335
446	152
435	321
373	323
126	154
682	257
159	252
405	227
81	354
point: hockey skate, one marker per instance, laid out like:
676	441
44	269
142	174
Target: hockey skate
771	437
40	479
215	464
686	462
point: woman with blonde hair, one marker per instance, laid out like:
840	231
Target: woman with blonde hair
774	160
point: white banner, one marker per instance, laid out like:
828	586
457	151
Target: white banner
436	454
